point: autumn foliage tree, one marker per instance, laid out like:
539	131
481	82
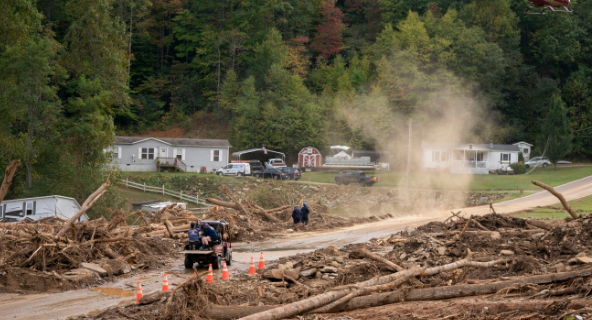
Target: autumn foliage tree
329	36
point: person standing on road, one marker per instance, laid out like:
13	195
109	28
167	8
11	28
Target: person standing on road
296	215
304	212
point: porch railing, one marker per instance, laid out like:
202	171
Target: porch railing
173	163
470	164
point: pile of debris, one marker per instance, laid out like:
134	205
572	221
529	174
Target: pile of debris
492	266
249	221
55	254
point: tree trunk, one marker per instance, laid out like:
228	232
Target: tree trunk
438	293
391	266
8	175
88	203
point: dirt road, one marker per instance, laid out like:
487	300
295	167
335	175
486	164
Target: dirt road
78	302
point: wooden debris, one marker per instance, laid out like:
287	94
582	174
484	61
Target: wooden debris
558	195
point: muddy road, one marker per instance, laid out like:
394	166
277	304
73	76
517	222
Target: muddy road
122	291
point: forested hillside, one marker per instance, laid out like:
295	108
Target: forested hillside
284	73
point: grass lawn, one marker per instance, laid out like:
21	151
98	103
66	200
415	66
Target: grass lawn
580	206
133	195
478	182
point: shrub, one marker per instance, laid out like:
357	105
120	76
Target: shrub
518	167
520	157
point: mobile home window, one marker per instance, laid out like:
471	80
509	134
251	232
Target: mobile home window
436	156
505	157
216	155
148	153
30	208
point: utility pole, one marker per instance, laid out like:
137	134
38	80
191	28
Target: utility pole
409	151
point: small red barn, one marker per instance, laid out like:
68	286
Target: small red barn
309	157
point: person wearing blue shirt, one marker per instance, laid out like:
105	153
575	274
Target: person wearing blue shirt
193	234
209	234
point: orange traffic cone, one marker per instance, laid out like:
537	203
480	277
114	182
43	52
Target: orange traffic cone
165	283
224	271
210	277
261	262
252	267
139	293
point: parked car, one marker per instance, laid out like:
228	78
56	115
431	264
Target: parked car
293	173
235	169
254	164
538	161
275	163
358	177
271	173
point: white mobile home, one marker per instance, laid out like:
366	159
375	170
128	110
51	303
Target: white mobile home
525	148
469	158
179	154
40	207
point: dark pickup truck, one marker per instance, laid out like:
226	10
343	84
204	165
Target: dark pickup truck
358	177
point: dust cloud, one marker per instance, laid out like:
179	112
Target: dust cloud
446	110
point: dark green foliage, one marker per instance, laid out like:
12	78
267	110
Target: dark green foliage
136	65
520	157
555	131
518	167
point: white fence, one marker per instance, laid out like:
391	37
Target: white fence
162	190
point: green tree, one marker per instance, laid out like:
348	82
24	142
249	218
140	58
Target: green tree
577	93
29	76
96	47
271	51
555	131
19	22
230	91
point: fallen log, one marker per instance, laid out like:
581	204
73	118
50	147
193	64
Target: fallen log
221	203
391	266
539	224
457	291
336	293
558	195
154	297
8	175
88	203
408	274
232	312
474	308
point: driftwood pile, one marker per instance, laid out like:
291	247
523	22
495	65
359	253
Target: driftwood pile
492	267
56	254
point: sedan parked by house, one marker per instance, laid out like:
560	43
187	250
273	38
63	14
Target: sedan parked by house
293	173
538	162
271	173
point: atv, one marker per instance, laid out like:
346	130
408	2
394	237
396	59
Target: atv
214	253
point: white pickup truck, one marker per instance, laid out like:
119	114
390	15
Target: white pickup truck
275	163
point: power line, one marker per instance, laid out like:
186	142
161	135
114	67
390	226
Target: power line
544	151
